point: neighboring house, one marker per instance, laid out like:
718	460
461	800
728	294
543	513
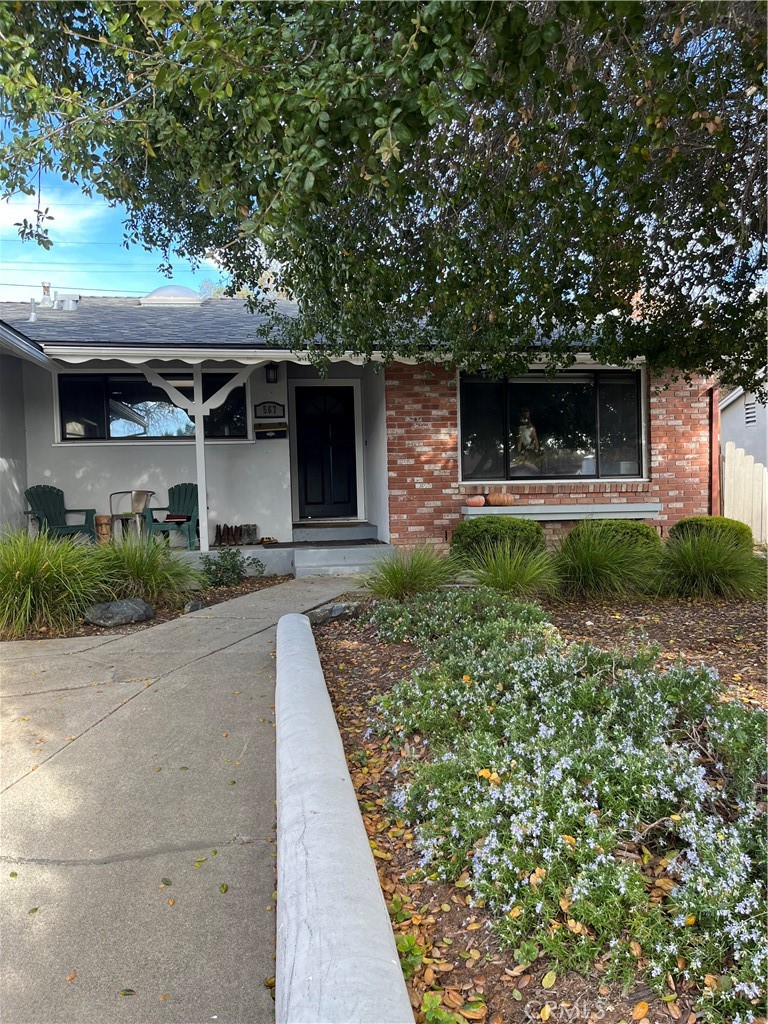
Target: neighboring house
107	394
744	420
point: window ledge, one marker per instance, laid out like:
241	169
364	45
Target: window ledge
574	485
616	510
150	443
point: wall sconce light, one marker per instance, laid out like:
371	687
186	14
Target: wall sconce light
270	373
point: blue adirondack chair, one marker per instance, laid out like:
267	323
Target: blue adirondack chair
46	503
181	514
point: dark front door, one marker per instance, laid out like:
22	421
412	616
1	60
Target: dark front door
325	446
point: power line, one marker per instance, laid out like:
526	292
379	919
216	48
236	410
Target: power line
71	287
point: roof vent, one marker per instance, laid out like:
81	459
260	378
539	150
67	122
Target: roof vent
172	295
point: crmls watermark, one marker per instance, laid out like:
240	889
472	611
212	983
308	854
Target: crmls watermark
580	1010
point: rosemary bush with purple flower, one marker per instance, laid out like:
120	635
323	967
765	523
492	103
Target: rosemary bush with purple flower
606	810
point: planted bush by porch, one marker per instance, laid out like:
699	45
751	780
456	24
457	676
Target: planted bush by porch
47	582
708	564
471	535
597	560
146	568
513	568
229	567
603	809
411	571
739	534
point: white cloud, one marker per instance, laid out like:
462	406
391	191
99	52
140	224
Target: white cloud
71	222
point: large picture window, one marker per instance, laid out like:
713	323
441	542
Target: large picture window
106	407
539	427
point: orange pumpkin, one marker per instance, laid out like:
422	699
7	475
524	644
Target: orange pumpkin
500	498
475	500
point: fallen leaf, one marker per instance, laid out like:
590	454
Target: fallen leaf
269	983
711	981
674	1011
524	981
71	976
223	887
429	976
14	874
636	948
640	1010
33	910
164	997
473	927
171	902
545	1012
166	881
549	979
126	992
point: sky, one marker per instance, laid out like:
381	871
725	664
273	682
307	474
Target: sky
87	256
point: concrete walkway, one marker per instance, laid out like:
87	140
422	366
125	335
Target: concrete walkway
155	760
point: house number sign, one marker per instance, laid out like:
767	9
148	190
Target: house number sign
269	411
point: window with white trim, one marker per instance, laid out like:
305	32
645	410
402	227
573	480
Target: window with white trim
117	406
580	424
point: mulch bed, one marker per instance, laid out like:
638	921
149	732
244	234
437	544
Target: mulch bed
209	596
463	962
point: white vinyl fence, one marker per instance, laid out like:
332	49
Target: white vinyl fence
745	491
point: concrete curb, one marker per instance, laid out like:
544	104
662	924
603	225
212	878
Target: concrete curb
337	962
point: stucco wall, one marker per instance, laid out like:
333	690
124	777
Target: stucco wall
13	443
248	482
423	451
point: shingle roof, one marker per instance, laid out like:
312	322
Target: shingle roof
119	321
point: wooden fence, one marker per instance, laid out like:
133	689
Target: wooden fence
745	491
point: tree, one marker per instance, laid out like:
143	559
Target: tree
480	182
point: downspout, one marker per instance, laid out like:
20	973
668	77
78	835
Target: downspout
715	491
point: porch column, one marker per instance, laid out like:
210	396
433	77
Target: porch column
202	490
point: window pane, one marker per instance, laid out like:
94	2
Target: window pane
552	428
619	434
482	430
229	420
139	409
81	402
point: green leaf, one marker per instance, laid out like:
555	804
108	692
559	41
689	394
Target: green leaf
223	887
166	881
14	874
127	992
309	181
34	910
532	44
549	979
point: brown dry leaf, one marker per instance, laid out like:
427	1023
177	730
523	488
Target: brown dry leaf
515	972
171	902
525	980
636	948
711	981
473	1012
473	927
444	967
674	1011
164	997
72	975
453	999
640	1011
429	976
495	1018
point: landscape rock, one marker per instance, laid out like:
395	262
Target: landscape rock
333	611
119	613
193	606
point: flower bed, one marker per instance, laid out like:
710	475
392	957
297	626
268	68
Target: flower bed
599	814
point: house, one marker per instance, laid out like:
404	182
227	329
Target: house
744	420
104	394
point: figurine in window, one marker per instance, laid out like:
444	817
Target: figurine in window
527	439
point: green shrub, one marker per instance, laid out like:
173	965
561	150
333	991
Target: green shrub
417	570
473	534
538	765
629	532
594	560
739	534
48	582
147	569
513	568
229	568
708	564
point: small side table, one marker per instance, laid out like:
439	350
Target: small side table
139	501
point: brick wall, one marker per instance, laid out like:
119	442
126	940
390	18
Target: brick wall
425	496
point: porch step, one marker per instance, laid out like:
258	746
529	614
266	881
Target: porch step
314	532
337	559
